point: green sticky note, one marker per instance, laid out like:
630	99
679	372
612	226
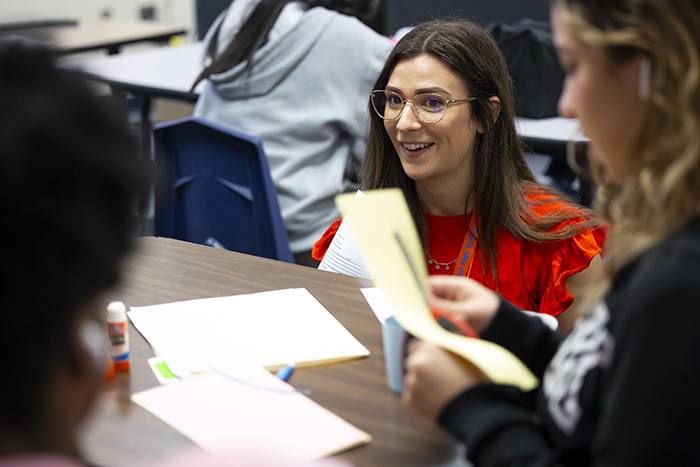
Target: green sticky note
161	371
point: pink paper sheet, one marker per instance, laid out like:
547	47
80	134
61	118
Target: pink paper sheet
249	407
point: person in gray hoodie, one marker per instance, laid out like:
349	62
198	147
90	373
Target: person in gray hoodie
297	75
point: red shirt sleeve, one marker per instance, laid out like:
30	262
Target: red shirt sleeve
321	246
568	257
572	256
531	275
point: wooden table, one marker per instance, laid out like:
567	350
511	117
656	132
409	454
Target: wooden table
165	270
93	34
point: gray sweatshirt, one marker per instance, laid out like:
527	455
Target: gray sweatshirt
307	100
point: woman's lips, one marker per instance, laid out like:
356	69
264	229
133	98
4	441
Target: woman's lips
415	149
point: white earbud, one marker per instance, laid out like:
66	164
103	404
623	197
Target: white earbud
644	79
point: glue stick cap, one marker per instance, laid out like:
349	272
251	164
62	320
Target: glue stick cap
116	312
109	374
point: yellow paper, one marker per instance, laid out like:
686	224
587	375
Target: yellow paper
387	236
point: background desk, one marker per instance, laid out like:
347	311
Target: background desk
165	270
160	72
170	72
96	34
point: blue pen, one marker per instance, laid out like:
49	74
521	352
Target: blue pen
286	372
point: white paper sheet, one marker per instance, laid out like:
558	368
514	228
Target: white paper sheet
383	310
343	255
271	329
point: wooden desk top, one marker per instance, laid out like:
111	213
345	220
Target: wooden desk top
165	270
92	34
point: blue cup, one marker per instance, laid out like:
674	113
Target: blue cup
394	338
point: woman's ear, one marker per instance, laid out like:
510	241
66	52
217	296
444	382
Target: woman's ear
495	103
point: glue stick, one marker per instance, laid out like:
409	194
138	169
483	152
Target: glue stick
118	335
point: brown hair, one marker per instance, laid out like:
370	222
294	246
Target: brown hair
502	178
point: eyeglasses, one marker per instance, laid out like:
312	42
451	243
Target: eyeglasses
430	108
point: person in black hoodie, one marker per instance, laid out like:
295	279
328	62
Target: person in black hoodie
622	388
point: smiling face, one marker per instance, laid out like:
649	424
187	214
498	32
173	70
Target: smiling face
436	153
603	95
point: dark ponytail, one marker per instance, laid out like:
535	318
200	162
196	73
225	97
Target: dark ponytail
254	32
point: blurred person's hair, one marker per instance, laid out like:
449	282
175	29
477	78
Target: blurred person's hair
71	178
664	192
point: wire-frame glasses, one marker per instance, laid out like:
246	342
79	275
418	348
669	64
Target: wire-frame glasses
429	107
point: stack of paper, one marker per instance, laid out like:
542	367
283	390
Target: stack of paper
270	329
343	255
247	407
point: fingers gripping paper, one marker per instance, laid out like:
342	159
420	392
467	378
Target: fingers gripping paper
388	241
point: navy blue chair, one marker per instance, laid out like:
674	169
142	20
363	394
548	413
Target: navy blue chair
215	189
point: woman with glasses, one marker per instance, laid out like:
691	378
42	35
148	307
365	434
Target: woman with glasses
295	74
622	388
442	130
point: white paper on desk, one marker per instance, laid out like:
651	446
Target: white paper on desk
383	309
378	302
246	407
271	329
343	255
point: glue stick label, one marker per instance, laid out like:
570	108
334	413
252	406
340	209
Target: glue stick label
120	341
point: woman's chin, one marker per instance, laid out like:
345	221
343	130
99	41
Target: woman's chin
416	176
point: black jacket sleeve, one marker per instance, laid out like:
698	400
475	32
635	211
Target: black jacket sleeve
498	423
527	337
499	426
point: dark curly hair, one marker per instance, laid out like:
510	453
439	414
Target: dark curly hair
70	179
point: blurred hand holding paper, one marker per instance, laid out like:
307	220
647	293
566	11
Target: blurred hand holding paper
388	241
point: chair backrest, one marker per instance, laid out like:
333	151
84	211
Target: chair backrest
207	12
216	189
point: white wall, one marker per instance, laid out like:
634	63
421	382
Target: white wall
180	12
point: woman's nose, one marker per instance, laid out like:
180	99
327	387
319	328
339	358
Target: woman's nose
567	101
408	120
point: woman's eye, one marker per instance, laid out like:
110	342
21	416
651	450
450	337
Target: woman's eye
394	101
433	103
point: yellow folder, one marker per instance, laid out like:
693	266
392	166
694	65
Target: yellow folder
392	253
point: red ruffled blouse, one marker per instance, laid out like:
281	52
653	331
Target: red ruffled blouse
530	274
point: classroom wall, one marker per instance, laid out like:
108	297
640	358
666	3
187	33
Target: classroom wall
181	12
411	12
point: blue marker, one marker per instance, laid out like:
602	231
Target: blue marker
286	372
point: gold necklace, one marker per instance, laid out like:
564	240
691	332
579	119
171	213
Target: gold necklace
437	265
